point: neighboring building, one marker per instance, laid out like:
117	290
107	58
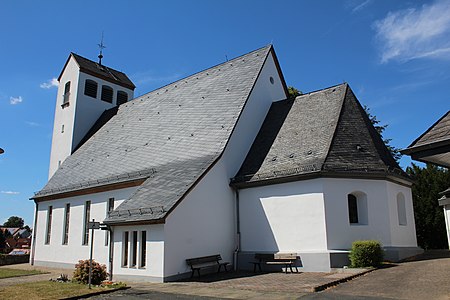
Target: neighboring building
221	162
16	237
433	146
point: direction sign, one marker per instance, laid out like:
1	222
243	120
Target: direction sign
94	225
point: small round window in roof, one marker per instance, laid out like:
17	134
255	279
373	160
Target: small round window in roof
272	81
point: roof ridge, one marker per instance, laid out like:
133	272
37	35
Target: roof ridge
104	66
330	142
321	90
268	47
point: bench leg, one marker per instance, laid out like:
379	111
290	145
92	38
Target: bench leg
192	274
290	266
198	272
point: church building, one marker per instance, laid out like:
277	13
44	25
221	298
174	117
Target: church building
220	162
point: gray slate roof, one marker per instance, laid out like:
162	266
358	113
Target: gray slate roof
170	136
438	132
91	67
321	132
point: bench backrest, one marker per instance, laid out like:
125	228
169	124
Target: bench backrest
275	256
203	259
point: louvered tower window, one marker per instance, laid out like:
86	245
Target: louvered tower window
107	93
122	97
90	88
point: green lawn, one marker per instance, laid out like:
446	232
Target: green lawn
46	290
6	273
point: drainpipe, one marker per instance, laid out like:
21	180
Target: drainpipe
111	252
238	232
33	246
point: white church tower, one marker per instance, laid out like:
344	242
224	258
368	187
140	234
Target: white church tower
86	89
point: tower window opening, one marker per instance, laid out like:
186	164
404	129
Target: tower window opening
107	94
90	88
66	93
122	97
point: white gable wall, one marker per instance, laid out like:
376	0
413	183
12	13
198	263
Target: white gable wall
204	222
57	254
89	109
62	141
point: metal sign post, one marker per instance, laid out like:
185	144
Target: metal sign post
92	225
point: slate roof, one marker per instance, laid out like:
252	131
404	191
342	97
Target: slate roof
438	132
168	137
91	67
323	132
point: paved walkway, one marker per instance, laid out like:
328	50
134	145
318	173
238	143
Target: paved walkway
426	277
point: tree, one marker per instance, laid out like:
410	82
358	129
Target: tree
293	92
14	221
380	129
429	217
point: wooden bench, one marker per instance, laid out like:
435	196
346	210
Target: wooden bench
198	263
286	259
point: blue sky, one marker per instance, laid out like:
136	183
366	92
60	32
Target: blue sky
394	54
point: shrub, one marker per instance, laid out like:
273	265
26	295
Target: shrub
81	273
366	254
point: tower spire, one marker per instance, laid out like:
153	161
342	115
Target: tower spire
101	47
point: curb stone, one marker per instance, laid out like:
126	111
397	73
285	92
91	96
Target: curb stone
339	281
97	293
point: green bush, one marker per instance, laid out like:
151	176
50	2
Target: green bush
81	273
366	254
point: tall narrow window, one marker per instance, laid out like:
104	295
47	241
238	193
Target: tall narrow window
107	94
125	249
66	93
109	208
49	224
122	97
352	209
143	250
90	88
134	249
87	215
401	209
66	225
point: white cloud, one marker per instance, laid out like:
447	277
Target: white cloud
361	6
49	84
415	33
15	100
10	192
32	124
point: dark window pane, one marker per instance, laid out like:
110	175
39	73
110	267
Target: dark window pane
90	88
122	97
107	94
352	209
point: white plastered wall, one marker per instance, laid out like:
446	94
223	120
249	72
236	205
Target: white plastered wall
286	217
55	253
154	262
382	222
204	222
62	141
446	209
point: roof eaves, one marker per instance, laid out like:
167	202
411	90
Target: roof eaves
428	130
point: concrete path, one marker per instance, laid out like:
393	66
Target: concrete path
428	277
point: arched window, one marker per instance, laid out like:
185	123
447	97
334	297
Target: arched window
66	93
90	88
122	97
352	209
107	94
401	209
357	208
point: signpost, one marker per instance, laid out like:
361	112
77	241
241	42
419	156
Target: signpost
92	225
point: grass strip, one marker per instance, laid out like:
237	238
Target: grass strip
7	273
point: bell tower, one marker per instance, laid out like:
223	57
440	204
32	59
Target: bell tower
86	89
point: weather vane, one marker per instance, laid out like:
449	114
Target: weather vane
101	46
